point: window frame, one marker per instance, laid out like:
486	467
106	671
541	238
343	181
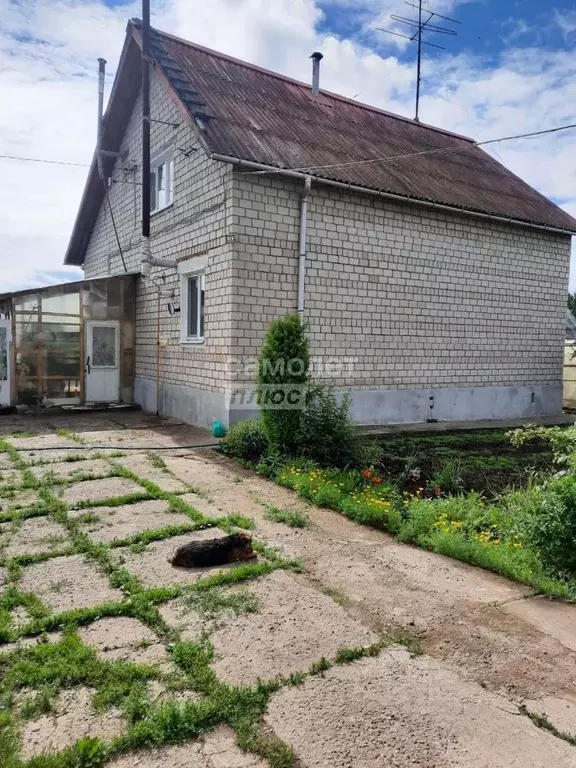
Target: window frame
164	158
185	337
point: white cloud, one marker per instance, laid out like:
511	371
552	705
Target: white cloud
48	54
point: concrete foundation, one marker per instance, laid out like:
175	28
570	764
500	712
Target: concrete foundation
194	406
370	407
385	406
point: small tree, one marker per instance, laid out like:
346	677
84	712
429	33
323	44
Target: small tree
283	361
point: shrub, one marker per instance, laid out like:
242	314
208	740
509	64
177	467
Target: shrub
246	440
551	528
327	435
283	360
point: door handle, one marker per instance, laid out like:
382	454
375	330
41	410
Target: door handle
88	364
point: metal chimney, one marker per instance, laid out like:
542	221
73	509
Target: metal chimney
316	59
101	76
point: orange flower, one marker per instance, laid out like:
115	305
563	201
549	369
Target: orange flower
376	480
367	474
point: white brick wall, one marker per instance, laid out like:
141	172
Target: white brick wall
418	298
195	224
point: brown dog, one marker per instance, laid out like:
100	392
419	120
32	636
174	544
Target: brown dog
203	554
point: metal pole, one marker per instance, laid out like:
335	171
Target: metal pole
101	76
418	68
145	118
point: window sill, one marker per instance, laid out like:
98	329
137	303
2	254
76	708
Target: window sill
160	210
192	342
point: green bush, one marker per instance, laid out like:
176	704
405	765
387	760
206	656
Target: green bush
327	435
551	528
246	440
283	360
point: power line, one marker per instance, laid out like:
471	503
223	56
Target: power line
442	150
41	160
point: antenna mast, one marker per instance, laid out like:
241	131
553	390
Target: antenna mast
420	26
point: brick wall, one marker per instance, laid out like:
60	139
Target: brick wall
195	224
409	297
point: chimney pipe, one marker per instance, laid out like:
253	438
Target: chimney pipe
101	76
316	59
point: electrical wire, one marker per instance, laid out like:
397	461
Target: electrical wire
366	161
41	160
107	196
442	150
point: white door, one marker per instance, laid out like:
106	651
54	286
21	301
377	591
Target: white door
5	338
102	361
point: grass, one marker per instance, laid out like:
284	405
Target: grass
215	601
292	517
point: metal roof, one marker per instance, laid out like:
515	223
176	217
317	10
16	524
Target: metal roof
246	112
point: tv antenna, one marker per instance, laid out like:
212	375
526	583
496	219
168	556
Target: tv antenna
421	25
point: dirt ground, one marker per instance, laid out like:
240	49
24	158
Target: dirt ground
486	677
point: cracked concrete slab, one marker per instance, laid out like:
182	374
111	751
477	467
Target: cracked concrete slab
64	583
561	712
295	626
69	469
100	490
552	618
152	566
215	750
401	712
36	535
73	719
143	467
129	519
126	639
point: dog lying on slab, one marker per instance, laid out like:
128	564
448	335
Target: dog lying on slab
202	554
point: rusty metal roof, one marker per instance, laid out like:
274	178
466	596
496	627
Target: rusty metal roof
256	115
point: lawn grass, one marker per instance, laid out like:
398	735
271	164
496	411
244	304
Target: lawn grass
292	517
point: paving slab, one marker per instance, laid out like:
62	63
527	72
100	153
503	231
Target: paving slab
295	626
555	619
126	639
153	568
73	719
143	467
100	490
36	535
42	442
19	500
216	750
28	642
561	712
129	519
69	469
10	477
64	583
400	712
207	507
183	619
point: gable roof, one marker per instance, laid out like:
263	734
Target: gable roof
244	112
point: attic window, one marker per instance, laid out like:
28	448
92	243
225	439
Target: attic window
161	181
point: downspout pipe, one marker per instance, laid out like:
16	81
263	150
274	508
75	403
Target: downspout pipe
272	169
302	244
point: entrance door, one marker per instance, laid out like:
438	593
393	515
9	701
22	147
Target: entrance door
5	338
102	361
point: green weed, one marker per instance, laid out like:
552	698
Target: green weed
292	517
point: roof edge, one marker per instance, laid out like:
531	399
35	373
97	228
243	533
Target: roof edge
393	196
136	23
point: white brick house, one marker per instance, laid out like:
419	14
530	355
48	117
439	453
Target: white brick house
437	275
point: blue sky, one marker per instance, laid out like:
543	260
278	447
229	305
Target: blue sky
511	68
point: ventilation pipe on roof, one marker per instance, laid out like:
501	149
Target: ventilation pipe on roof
316	59
302	244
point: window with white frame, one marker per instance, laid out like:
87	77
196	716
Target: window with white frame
161	181
192	307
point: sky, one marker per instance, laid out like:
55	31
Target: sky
511	69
